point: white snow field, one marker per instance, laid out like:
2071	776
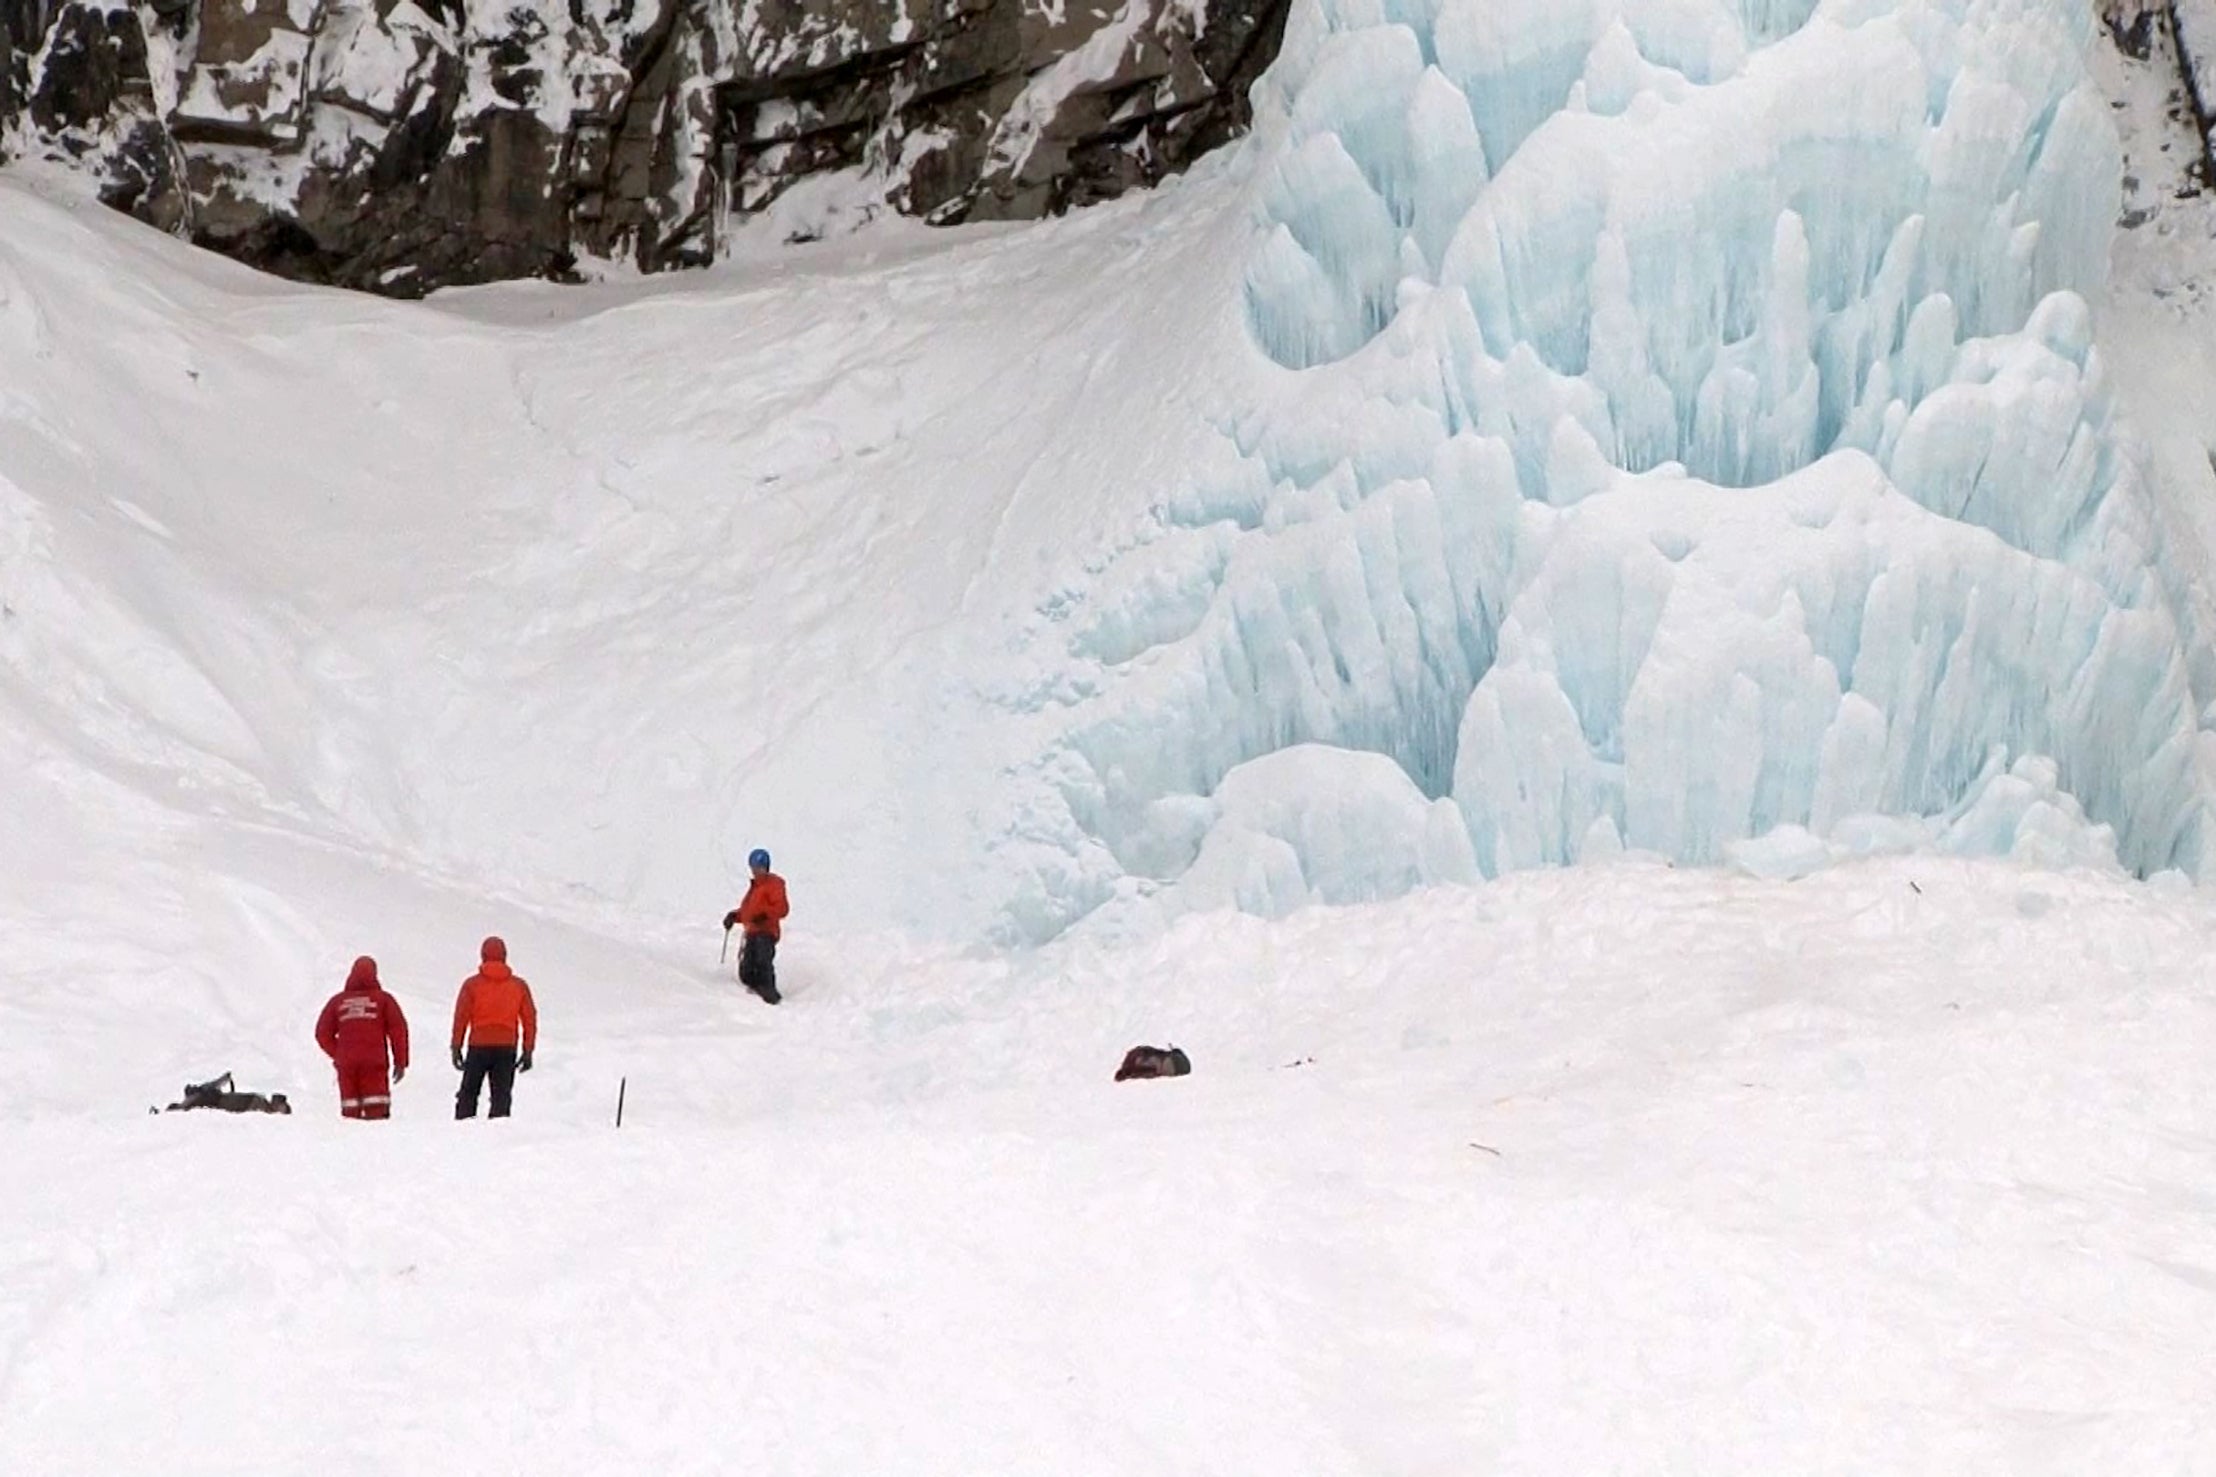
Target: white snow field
1694	440
1626	1169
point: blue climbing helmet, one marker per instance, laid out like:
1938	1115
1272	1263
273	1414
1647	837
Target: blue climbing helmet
758	858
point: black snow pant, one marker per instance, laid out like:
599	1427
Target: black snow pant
758	966
479	1063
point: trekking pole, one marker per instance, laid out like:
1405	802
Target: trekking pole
723	955
621	1084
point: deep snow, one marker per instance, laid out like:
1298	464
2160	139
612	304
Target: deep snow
1908	1169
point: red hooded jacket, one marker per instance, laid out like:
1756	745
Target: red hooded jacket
764	905
361	1023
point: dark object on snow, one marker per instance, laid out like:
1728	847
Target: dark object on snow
218	1094
1153	1061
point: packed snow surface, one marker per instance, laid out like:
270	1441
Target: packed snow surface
1621	1168
1614	433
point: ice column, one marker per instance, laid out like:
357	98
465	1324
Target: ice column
1689	426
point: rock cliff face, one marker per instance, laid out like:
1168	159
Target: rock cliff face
2178	36
401	145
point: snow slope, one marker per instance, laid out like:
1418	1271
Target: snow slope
394	572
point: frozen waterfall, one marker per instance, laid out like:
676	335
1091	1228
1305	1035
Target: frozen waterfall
1687	435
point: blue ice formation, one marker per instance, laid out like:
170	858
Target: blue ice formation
1689	431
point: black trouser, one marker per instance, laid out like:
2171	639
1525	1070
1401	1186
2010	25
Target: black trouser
758	965
479	1063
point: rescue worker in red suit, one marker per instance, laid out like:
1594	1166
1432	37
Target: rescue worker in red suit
759	914
493	1015
359	1028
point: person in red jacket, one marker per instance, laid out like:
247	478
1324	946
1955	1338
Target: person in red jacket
359	1027
493	1015
759	913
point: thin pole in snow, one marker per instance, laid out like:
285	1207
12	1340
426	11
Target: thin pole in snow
621	1085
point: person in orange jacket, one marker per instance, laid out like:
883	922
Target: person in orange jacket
493	1015
759	913
359	1026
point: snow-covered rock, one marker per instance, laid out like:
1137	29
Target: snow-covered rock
403	144
81	81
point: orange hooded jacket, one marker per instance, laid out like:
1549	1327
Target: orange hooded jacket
495	1007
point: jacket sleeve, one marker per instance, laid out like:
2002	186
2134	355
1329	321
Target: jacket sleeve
530	1018
462	1012
396	1032
327	1028
775	904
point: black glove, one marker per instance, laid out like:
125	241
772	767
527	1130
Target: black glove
399	1074
523	1062
457	1058
730	920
